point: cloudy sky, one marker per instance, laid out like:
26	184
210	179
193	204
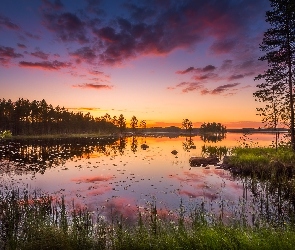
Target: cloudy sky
160	60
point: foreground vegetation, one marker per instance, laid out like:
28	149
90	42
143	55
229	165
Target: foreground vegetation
39	222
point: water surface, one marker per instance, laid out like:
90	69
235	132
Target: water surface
124	175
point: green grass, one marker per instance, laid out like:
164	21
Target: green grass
36	222
264	163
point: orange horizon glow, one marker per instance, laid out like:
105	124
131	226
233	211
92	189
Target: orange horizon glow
123	65
152	123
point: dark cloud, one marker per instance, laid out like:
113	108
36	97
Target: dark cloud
94	6
153	27
30	35
95	72
40	54
84	54
99	80
207	68
6	54
68	26
6	23
235	77
22	46
185	71
192	86
223	88
205	77
160	35
188	86
46	65
55	5
93	86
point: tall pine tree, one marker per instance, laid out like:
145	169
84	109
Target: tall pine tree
277	90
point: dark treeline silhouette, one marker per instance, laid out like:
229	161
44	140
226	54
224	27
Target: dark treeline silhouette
213	128
23	117
212	132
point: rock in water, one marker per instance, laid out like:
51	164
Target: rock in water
204	161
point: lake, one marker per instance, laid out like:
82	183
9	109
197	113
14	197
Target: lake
122	176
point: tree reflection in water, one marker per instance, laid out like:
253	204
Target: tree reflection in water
212	137
271	200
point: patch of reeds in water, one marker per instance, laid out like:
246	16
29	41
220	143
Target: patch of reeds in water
39	222
267	173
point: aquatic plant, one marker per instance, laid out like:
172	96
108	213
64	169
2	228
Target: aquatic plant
40	222
219	151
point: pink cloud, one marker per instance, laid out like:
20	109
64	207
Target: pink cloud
30	35
190	69
85	54
235	77
92	179
22	46
99	191
67	26
205	69
40	54
5	22
46	65
221	89
6	54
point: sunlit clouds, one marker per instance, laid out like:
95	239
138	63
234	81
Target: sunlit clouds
159	53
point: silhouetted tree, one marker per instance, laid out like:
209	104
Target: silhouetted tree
212	128
277	89
121	123
38	117
142	124
187	125
133	123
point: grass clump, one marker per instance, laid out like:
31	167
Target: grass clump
264	163
37	222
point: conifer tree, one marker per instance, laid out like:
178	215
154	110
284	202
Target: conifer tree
279	46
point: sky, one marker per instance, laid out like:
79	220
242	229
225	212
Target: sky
160	60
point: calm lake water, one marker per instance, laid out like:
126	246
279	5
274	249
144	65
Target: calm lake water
121	176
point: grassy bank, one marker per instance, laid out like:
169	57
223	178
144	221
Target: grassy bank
264	163
39	222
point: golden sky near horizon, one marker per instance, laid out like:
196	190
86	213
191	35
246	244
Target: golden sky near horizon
162	61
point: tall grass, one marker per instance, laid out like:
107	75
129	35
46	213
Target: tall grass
265	163
39	222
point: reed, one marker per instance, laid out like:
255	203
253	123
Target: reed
39	222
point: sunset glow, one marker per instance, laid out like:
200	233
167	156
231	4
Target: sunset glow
161	61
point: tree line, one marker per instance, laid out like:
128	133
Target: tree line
24	117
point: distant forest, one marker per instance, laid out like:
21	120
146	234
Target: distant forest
23	117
